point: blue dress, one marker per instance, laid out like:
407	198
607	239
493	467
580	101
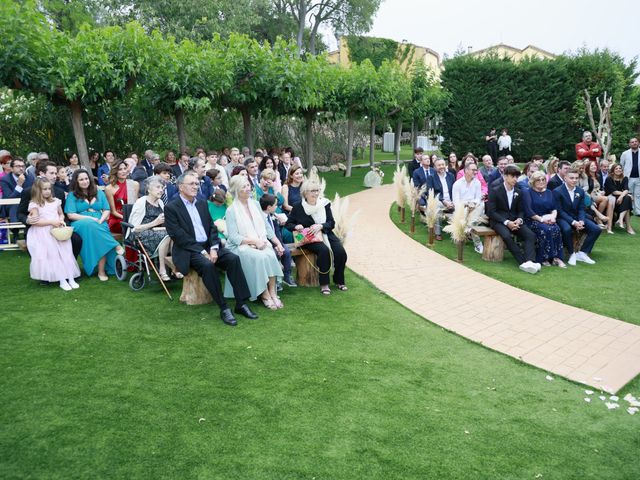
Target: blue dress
548	236
294	195
96	237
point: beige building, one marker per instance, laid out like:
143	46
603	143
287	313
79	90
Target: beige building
407	52
515	54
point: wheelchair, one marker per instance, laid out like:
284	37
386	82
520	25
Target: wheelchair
135	259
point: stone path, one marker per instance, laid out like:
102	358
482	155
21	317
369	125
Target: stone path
582	346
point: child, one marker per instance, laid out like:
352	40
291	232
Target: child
269	203
51	260
218	209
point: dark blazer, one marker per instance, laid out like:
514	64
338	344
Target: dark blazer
419	177
103	169
25	198
206	188
434	182
412	166
180	229
498	209
171	190
568	210
140	174
147	166
8	185
495	175
555	182
601	180
176	170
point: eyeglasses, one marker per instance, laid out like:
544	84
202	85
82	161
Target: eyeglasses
192	184
314	191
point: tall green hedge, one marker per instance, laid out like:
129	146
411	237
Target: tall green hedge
539	101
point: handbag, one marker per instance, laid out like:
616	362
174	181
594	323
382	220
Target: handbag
62	234
306	236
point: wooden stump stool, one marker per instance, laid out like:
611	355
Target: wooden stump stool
193	290
493	245
306	274
578	239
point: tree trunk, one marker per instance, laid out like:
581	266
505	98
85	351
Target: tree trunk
396	146
182	133
246	123
414	136
372	137
302	16
78	133
349	145
308	118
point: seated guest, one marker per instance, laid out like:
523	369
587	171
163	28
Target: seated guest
598	200
197	165
580	167
88	209
239	170
541	216
423	172
147	218
252	172
315	213
571	216
268	162
603	171
269	203
62	178
618	186
267	179
182	165
196	245
163	170
505	210
416	161
529	169
105	168
213	162
452	166
119	191
12	185
487	168
558	179
291	188
551	167
218	209
247	237
442	185
468	192
215	175
497	177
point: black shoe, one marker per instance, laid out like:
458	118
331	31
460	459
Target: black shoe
289	282
227	317
44	283
246	311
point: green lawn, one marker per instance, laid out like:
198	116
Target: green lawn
106	383
608	287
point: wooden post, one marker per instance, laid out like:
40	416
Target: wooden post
402	212
460	246
431	237
413	223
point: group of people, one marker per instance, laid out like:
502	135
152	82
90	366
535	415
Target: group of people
235	212
541	206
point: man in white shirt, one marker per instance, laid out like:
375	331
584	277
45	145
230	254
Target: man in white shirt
467	193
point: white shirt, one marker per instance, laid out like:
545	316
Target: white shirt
571	193
445	188
464	191
509	194
504	141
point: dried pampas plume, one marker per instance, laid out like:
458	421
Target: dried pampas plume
344	223
433	210
464	217
413	194
313	176
399	179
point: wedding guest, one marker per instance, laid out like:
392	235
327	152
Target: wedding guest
588	149
487	168
423	172
416	161
269	203
630	161
103	170
452	166
504	143
441	182
492	144
119	192
291	188
617	184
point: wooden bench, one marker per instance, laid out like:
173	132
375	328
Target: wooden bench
12	228
492	243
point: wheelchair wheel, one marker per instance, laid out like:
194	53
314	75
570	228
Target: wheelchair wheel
137	281
121	268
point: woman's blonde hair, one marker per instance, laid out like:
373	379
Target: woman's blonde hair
268	174
236	183
36	192
551	165
535	176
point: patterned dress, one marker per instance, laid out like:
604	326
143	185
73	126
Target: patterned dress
151	238
548	236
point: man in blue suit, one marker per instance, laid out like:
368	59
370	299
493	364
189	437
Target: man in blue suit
442	184
205	191
496	177
13	184
105	168
422	172
571	215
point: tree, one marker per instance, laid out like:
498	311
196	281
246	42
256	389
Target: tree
70	15
352	16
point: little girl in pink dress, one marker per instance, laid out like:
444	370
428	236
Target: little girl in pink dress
51	260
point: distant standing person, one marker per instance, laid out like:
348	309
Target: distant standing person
504	143
630	161
492	145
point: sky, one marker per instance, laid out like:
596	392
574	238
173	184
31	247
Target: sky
556	26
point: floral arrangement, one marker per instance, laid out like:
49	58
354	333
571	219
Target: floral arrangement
433	211
465	216
344	223
399	179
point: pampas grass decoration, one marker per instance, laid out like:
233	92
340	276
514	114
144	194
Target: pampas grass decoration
433	210
314	176
412	196
457	227
344	222
399	177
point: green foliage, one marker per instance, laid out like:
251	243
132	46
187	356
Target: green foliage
376	50
70	15
539	101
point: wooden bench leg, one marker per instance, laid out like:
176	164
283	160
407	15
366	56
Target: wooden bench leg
493	248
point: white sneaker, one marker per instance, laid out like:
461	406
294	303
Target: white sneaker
64	285
572	260
537	265
583	257
72	283
479	248
528	267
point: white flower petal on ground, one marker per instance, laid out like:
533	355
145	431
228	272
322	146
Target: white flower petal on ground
633	401
587	399
549	377
614	398
611	405
632	410
589	392
602	397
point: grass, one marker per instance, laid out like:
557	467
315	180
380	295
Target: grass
607	288
106	383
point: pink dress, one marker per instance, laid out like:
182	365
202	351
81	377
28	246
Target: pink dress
51	260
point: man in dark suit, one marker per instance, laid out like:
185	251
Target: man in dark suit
441	182
496	177
603	172
505	209
181	166
571	215
415	163
48	170
422	172
198	165
13	185
147	162
558	179
196	245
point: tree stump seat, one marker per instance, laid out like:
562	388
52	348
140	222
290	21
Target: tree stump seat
493	245
306	274
193	290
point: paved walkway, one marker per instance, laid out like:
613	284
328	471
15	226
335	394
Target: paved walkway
582	346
